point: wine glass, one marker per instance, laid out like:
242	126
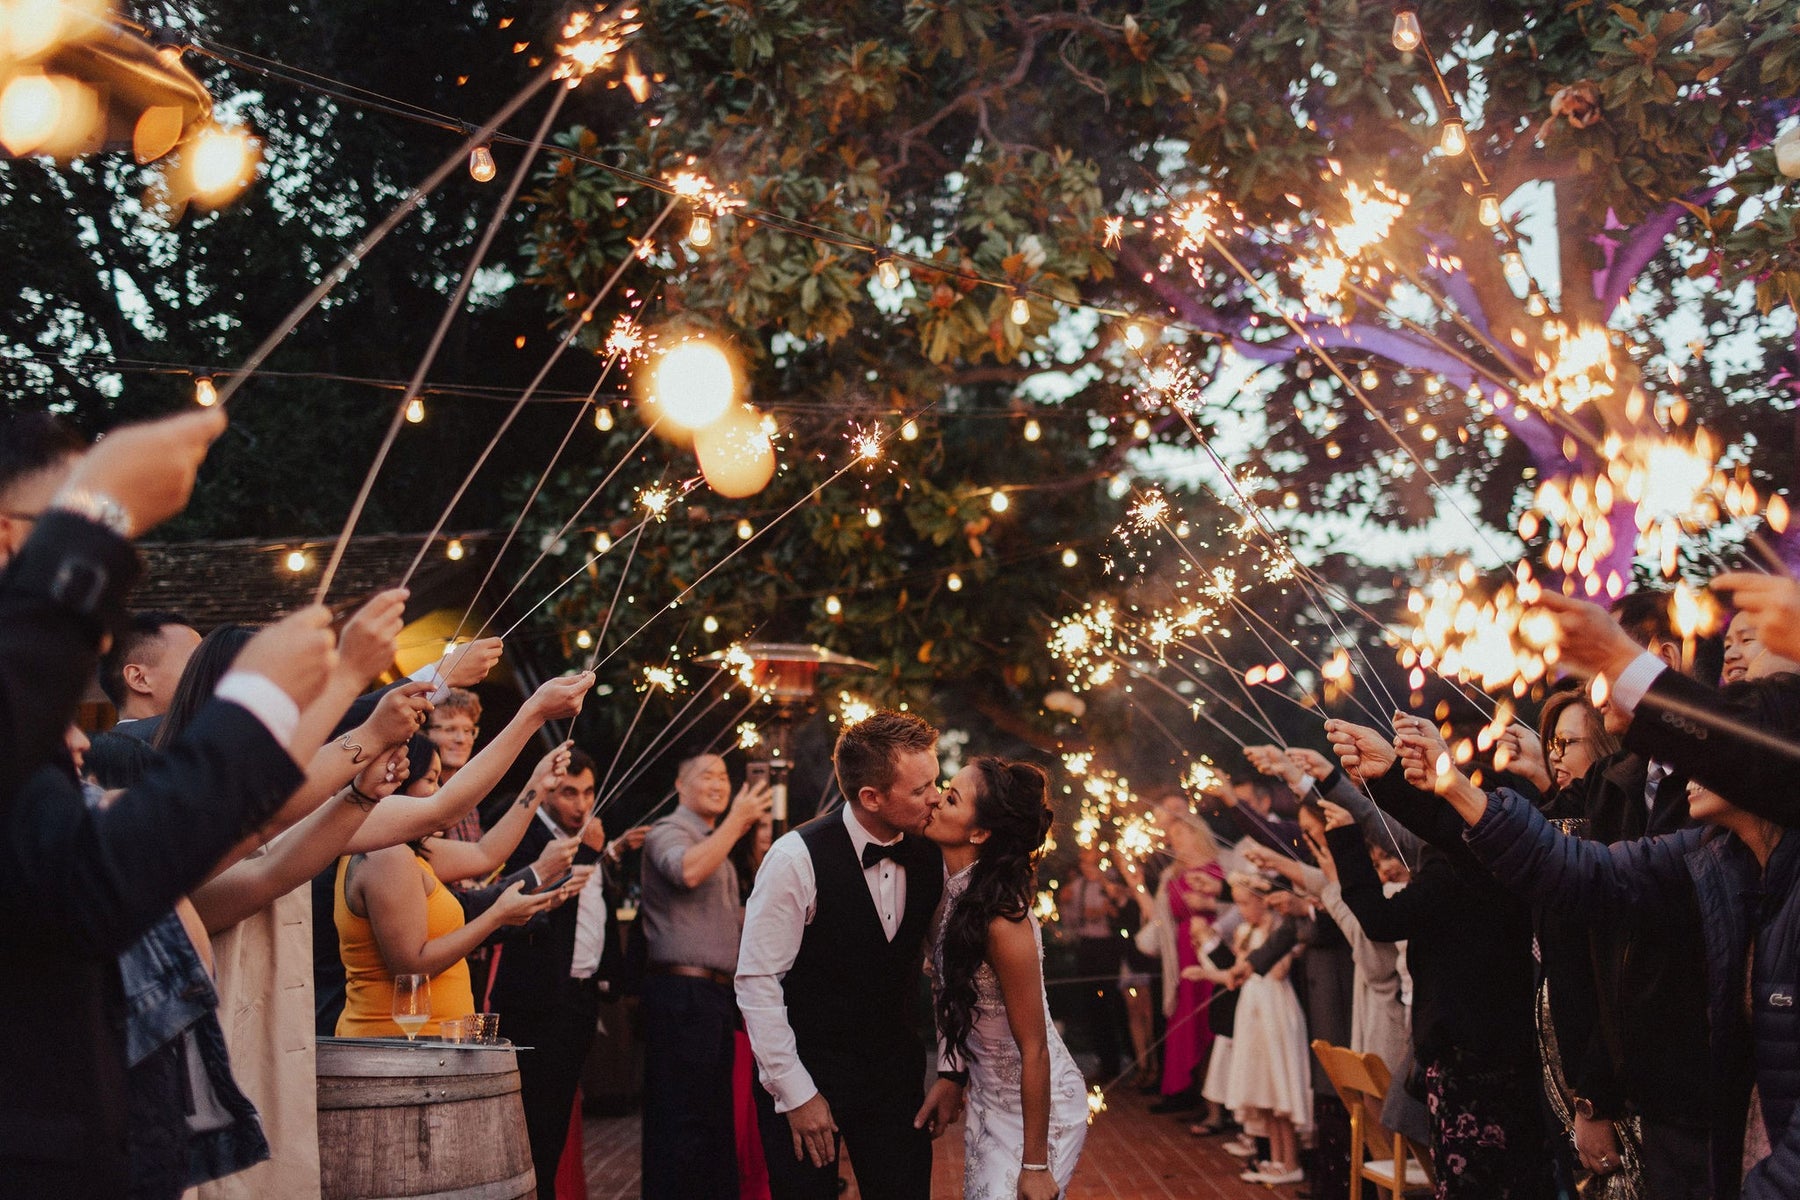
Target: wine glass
412	1003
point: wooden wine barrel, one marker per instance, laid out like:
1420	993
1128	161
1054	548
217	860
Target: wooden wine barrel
431	1120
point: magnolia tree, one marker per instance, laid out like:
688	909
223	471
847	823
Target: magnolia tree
1349	259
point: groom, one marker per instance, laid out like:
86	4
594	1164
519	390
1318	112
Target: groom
829	975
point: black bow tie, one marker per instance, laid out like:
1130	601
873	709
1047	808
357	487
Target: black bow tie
874	852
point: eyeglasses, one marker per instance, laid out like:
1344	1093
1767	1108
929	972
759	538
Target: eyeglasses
1559	746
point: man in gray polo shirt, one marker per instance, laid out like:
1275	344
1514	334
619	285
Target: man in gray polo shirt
692	917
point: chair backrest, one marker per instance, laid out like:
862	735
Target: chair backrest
1362	1082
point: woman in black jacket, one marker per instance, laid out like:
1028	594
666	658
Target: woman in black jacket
1737	880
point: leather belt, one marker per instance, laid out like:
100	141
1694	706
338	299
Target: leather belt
723	978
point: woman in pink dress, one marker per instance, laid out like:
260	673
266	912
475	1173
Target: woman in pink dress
1185	903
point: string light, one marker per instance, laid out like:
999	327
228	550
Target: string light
1407	34
888	272
954	582
833	606
1069	557
1021	310
1134	336
700	231
909	432
481	164
873	518
454	551
584	639
1487	209
205	394
1033	431
711	624
1455	140
603	419
999	502
602	542
297	561
220	163
1535	304
415	410
745	531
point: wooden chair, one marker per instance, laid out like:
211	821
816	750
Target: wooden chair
1395	1164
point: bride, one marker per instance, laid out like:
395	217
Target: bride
1027	1102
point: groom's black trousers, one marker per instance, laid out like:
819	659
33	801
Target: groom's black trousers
892	1160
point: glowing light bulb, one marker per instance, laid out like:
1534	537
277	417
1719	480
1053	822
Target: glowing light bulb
1512	264
30	109
873	518
909	432
700	231
1021	311
584	639
415	410
1033	431
481	164
1134	336
602	542
999	502
1070	558
833	606
221	163
694	383
603	419
1407	34
1455	140
711	624
297	561
454	551
954	582
1141	430
1535	304
1332	449
745	531
1487	209
888	272
205	394
1369	378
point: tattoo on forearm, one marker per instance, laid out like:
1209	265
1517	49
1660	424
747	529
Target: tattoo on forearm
353	749
526	797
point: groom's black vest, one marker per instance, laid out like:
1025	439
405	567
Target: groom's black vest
853	997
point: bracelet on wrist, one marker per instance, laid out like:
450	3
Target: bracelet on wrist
959	1078
1025	1166
360	798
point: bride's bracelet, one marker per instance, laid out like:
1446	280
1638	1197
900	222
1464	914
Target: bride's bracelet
1043	1166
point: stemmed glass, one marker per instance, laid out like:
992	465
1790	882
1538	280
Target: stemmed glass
412	1003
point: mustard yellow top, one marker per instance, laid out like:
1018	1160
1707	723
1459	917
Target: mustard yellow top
369	984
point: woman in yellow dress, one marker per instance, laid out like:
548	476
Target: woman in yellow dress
395	916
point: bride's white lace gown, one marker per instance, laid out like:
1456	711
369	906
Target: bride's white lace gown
993	1122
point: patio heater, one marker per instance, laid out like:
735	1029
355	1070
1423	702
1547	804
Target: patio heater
788	674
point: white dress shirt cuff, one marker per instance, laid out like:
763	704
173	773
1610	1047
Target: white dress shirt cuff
1634	681
791	1089
436	674
265	700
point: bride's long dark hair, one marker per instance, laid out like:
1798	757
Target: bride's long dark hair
1012	802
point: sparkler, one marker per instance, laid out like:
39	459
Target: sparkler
592	39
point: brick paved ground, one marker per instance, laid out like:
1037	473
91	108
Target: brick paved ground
1131	1154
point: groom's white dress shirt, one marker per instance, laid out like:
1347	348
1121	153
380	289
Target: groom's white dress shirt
781	906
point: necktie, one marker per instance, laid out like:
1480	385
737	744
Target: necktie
874	852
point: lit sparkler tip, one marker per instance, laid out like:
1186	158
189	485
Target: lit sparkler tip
592	40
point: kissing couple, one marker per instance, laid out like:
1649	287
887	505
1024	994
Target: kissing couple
835	938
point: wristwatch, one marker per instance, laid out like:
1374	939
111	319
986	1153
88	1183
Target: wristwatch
101	509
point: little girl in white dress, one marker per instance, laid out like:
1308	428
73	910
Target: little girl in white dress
1269	1086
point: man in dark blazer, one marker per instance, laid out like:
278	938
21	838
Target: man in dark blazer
78	885
547	985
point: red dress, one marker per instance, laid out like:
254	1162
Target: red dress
1189	1037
